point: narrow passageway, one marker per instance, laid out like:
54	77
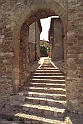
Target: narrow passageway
42	99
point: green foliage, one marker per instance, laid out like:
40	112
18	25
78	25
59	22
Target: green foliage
43	50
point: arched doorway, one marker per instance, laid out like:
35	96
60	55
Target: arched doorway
32	13
11	24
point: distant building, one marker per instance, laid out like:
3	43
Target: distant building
56	38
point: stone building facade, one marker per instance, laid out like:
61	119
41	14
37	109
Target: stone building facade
13	16
56	39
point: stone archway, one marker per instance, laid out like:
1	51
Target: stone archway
12	16
49	8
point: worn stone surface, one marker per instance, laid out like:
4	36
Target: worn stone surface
18	99
34	41
13	15
74	55
39	108
23	55
56	38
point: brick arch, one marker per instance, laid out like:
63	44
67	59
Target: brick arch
36	5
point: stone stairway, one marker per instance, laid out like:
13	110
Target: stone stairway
42	99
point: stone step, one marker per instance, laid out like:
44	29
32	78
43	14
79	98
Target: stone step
42	100
60	81
45	90
48	71
24	118
36	119
32	84
23	97
44	95
47	77
47	68
48	74
45	101
42	110
29	97
47	65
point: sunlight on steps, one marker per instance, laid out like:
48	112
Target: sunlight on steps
48	80
27	116
42	99
48	76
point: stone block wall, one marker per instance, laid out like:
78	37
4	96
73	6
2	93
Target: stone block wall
32	42
23	54
31	49
13	15
6	54
57	42
58	52
51	38
75	56
38	31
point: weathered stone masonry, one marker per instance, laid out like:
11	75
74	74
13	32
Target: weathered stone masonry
56	39
34	41
12	16
38	31
23	54
75	55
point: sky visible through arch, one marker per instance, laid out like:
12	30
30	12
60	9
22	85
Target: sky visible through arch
45	23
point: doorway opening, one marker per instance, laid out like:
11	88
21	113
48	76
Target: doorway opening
21	39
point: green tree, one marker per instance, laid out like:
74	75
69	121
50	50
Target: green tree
43	50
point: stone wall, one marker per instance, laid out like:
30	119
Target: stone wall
32	42
51	38
58	40
13	15
38	31
23	54
6	54
75	55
